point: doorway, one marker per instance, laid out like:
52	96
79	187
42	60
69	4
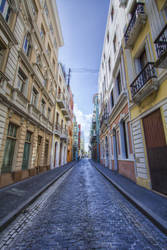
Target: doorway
55	155
156	150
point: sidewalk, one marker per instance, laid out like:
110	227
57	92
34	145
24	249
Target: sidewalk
16	197
154	206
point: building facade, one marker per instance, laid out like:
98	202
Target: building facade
95	131
145	53
30	37
75	139
116	149
133	92
62	118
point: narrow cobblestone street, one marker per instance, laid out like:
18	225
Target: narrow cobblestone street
83	212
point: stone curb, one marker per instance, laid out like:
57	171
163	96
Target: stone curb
8	219
162	225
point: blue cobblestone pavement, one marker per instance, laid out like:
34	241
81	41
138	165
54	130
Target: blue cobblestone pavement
87	212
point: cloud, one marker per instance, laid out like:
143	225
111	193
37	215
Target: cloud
85	121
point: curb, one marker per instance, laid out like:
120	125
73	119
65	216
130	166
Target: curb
8	219
156	220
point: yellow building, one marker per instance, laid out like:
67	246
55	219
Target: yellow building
145	54
30	36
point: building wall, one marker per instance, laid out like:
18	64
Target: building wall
28	78
155	21
116	151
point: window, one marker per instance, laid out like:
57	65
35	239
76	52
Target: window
143	59
51	28
38	60
26	153
57	118
118	81
114	43
42	32
108	38
22	79
104	84
118	141
124	142
125	139
61	125
49	112
54	65
43	107
49	50
112	14
2	51
109	64
34	8
27	44
9	148
112	99
34	97
55	43
5	9
46	9
46	152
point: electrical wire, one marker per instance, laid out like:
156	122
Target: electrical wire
84	70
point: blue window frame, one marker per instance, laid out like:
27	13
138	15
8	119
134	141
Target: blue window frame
5	9
2	5
26	45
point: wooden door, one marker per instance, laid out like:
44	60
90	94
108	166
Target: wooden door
156	150
26	155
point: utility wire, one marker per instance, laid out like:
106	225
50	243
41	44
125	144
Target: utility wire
84	70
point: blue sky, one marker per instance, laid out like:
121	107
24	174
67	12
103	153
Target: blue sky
83	25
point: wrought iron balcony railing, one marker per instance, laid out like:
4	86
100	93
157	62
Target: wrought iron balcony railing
161	42
138	11
147	73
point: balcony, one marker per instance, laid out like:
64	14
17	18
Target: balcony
136	23
64	134
68	116
61	101
57	130
65	109
145	83
161	48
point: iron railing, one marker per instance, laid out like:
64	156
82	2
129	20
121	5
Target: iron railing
147	73
161	42
139	10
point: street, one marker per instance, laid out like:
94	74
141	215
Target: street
83	212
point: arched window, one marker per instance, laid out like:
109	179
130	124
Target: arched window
27	44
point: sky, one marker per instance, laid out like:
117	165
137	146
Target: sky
83	25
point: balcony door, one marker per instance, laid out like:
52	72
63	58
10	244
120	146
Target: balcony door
143	59
156	150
